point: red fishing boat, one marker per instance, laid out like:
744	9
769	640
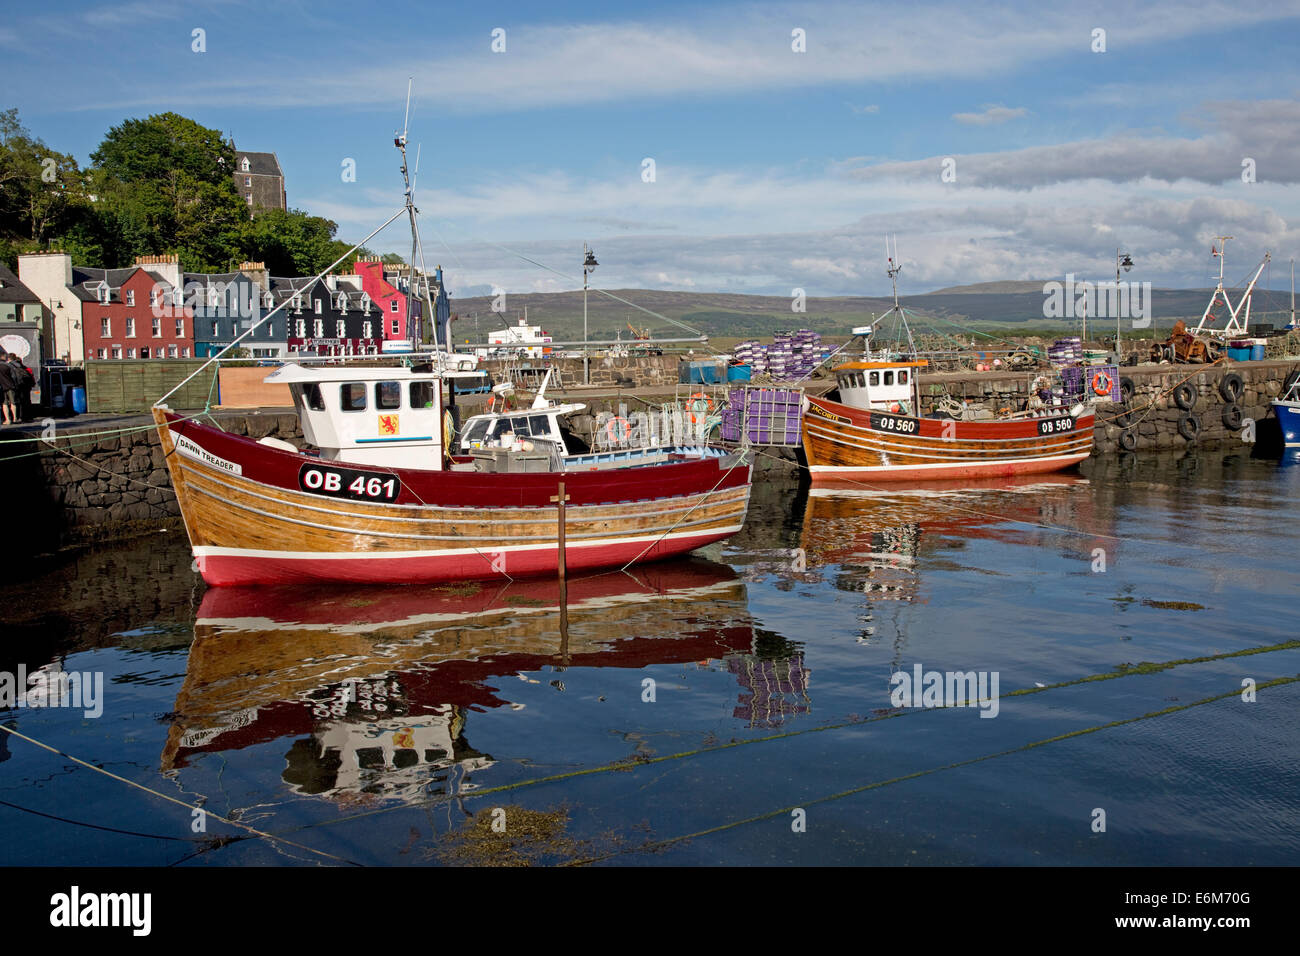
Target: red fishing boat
377	498
874	432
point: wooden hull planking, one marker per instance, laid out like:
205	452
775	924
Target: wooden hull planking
251	521
843	442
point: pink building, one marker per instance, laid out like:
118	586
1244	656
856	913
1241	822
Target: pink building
387	297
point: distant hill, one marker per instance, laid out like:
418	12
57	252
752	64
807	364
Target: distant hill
994	288
733	315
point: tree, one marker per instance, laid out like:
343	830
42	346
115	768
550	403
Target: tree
163	184
292	242
42	192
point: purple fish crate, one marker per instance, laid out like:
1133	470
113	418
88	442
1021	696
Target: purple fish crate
765	416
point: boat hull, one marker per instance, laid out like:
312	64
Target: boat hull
841	442
259	515
1288	416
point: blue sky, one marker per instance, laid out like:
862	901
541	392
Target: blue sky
774	169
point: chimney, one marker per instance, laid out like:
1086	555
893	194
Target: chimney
167	266
256	272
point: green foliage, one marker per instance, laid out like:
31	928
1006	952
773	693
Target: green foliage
291	243
42	192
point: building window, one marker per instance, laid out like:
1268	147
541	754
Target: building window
319	327
270	330
180	328
302	328
317	301
185	352
339	329
367	331
117	351
244	164
99	353
249	199
144	353
105	327
352	397
171	351
393	306
153	298
130	297
130	353
130	327
216	329
248	181
157	328
396	327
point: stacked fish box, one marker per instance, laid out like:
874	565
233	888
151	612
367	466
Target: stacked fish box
1067	351
763	416
792	355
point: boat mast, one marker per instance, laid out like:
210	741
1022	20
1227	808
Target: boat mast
409	192
895	267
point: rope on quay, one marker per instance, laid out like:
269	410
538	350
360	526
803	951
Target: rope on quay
1143	669
878	784
170	799
93	436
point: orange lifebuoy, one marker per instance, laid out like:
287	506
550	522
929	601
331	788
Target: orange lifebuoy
617	439
700	405
1101	383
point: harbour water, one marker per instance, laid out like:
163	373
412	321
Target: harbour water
1129	630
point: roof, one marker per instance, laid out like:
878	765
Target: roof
855	366
293	373
259	164
12	288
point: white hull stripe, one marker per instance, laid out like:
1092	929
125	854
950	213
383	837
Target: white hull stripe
968	464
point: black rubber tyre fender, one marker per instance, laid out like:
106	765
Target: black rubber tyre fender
1125	389
1232	416
1124	419
1189	426
1127	440
1230	387
1185	397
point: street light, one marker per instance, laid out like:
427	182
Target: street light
589	264
1122	261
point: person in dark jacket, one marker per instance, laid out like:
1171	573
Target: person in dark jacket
8	393
23	382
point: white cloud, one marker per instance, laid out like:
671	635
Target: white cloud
992	115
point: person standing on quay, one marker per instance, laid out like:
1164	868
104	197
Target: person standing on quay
9	393
23	382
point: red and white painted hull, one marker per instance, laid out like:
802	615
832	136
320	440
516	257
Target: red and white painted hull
258	515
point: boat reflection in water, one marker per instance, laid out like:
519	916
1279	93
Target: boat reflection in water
872	539
376	685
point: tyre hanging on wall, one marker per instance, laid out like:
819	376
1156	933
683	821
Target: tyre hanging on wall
1232	416
1185	397
1189	426
1126	389
1230	387
1124	419
1127	440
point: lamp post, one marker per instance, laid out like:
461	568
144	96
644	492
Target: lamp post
589	264
1122	261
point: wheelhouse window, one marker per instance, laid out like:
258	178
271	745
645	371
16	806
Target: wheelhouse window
352	397
477	431
422	394
902	376
388	395
312	397
875	379
889	377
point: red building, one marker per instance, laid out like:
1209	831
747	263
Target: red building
390	300
133	313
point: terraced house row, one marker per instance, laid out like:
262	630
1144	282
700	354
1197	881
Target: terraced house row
153	310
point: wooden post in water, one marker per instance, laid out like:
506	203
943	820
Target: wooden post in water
560	498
